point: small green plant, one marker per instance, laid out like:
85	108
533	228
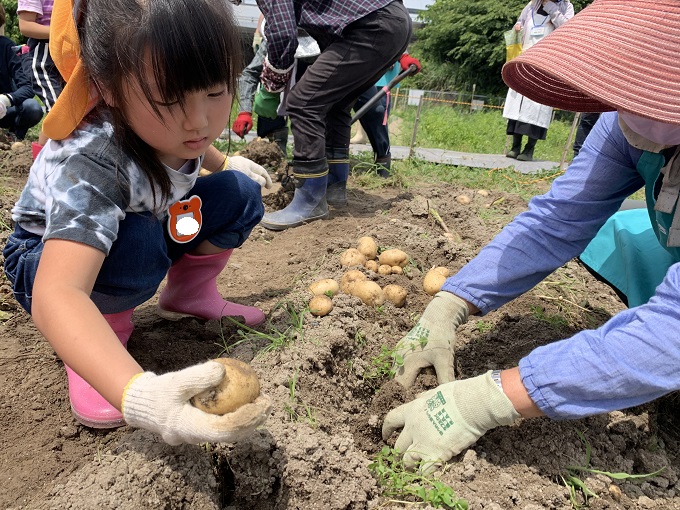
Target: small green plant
397	482
274	338
384	364
483	326
291	407
579	493
538	312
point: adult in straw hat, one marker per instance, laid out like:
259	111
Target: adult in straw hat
624	60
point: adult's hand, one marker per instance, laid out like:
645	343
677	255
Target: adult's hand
242	124
431	341
550	7
266	103
442	422
256	172
4	104
406	60
161	404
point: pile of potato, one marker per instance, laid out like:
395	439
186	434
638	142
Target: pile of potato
355	282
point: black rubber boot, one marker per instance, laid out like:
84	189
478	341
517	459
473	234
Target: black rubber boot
384	164
528	152
309	201
338	172
516	146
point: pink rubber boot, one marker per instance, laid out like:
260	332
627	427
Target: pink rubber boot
191	291
87	405
35	149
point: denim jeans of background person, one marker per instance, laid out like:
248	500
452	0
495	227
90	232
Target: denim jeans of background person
359	41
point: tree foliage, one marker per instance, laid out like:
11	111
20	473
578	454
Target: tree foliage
12	21
461	43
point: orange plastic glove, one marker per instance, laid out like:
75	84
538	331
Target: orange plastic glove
242	124
406	60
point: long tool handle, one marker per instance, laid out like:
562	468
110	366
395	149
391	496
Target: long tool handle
383	91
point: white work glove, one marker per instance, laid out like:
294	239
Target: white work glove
4	104
256	172
442	422
161	404
431	341
550	7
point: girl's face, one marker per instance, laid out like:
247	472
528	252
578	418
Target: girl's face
179	134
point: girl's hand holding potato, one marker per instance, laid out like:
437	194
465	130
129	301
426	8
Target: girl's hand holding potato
162	404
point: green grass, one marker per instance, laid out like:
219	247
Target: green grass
483	132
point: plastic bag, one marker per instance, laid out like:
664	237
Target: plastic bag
513	43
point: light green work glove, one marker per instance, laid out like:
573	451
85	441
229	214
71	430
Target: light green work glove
266	103
431	341
442	422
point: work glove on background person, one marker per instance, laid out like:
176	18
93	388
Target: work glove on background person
406	60
442	422
4	104
161	404
256	172
431	341
266	103
242	124
550	7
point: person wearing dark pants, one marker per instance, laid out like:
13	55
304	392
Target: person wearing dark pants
585	125
18	110
359	41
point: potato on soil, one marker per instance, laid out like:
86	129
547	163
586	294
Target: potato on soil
395	294
369	292
367	247
320	305
372	265
327	286
384	269
434	279
393	257
350	278
240	386
352	257
397	270
463	199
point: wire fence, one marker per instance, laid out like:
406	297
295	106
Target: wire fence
447	120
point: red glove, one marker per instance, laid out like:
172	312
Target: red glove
406	60
242	124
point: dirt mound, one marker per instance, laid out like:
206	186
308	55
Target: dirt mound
330	383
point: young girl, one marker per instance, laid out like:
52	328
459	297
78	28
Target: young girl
108	209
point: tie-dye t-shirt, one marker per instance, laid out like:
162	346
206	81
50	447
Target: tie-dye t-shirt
80	188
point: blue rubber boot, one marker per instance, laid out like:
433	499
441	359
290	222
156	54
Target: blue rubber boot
338	172
309	201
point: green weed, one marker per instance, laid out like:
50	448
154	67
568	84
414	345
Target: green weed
538	312
579	493
397	482
483	326
291	407
273	337
385	364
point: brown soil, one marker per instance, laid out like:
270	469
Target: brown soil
329	390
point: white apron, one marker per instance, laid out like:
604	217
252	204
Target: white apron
520	108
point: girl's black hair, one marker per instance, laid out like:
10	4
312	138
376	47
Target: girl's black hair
193	45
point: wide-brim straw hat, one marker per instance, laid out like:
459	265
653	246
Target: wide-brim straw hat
614	54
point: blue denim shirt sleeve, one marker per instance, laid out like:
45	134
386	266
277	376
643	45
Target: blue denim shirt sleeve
557	226
250	79
632	359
